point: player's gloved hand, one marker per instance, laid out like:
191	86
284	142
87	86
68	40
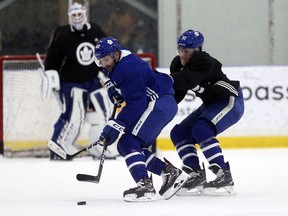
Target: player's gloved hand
111	131
114	96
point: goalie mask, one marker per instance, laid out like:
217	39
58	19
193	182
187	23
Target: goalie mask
77	16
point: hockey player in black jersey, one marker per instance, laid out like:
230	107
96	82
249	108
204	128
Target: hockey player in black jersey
72	75
222	107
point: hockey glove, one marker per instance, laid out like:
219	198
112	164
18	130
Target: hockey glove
111	131
50	83
114	96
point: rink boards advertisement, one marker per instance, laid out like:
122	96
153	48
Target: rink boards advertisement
265	120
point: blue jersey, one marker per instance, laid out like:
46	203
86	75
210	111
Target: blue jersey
138	84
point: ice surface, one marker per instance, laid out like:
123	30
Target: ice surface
31	187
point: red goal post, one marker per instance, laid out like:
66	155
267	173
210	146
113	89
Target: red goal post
26	121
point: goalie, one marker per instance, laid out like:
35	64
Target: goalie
73	76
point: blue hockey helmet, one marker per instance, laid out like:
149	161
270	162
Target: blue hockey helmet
190	39
106	46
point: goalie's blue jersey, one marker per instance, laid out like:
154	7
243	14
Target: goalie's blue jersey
138	84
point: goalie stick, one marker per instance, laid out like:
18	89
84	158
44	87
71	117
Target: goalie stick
44	76
59	151
41	65
96	179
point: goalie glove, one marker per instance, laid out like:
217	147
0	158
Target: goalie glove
114	96
112	131
50	82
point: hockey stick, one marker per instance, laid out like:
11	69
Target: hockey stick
59	151
96	179
41	65
91	178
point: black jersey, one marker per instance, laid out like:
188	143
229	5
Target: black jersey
204	76
71	53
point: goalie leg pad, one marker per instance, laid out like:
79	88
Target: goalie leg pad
96	126
97	121
101	104
73	125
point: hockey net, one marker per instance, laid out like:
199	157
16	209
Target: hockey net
26	120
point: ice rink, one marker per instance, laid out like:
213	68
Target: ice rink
34	187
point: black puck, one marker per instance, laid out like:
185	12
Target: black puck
81	203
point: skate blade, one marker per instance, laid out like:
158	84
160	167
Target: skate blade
198	191
148	197
224	191
178	184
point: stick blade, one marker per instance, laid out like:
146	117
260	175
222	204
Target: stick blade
57	149
87	178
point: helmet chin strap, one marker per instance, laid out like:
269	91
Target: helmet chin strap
113	56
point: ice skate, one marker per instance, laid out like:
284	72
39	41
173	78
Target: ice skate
173	180
222	185
144	192
194	184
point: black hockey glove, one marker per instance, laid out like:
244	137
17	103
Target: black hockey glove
114	96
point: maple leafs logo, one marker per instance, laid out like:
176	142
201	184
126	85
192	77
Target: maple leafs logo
110	42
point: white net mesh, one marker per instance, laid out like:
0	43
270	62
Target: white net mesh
28	120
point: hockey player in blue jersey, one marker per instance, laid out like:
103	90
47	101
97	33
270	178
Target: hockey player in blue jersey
222	107
150	105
